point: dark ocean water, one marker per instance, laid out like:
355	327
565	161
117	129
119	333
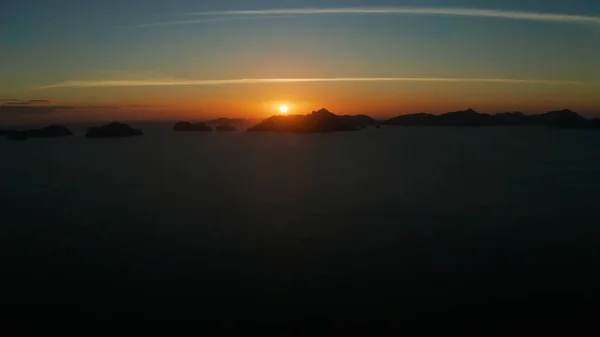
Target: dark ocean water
381	225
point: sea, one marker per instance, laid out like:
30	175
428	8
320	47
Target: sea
484	224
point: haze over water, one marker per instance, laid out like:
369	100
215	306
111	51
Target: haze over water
273	228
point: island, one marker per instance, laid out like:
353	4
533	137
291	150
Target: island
226	128
316	122
361	121
230	121
558	118
6	131
191	127
51	131
238	123
113	130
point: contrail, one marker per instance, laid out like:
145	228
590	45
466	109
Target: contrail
490	13
246	81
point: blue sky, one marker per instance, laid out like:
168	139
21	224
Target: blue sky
46	43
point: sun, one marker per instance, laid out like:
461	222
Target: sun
283	109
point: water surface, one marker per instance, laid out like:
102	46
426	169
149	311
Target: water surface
374	225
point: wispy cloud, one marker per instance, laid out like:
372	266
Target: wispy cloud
475	12
29	102
19	110
18	103
247	81
27	109
98	107
204	20
143	106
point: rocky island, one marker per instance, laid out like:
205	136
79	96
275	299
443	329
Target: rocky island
316	122
231	121
113	130
191	127
559	118
6	131
226	128
52	131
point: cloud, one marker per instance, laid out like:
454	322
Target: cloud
166	83
29	102
26	109
99	107
469	12
18	103
8	99
31	110
191	22
142	106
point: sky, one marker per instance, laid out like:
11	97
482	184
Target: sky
159	59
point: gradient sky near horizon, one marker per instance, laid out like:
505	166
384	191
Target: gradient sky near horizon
135	59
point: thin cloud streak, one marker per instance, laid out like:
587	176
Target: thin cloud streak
474	12
192	22
166	83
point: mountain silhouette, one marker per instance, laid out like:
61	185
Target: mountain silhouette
560	118
113	130
316	122
6	131
191	127
468	117
360	121
510	118
51	131
226	128
230	121
420	118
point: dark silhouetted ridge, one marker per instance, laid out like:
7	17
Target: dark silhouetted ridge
6	131
316	122
468	117
51	131
361	121
510	118
113	130
413	119
560	118
230	121
226	128
191	127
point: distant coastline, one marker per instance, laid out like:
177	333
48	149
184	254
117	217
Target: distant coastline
324	121
558	118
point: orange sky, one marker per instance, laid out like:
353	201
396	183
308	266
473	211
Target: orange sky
262	100
162	61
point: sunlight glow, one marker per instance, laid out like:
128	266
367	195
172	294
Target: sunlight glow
283	109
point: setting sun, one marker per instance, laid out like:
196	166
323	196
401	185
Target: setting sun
283	109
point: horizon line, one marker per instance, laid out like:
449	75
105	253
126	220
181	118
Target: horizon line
448	11
246	81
